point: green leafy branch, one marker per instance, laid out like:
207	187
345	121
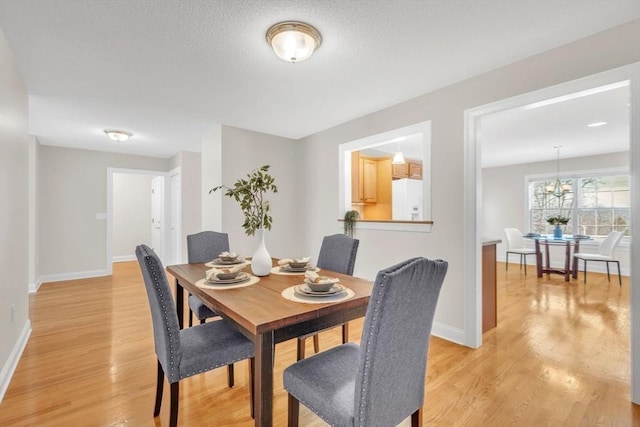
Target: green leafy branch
249	193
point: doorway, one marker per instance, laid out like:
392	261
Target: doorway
150	208
473	200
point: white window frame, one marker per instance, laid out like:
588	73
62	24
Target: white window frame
572	175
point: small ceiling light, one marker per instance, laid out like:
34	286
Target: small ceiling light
293	41
118	135
398	157
596	124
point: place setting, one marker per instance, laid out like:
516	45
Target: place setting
227	278
318	289
228	259
294	266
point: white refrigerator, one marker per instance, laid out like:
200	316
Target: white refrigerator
407	199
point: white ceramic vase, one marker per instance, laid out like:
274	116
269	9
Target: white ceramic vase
261	260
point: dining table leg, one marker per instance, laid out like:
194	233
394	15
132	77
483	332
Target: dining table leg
538	258
567	260
548	258
574	267
263	391
180	303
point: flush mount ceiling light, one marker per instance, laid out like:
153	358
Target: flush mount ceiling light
293	41
596	124
118	135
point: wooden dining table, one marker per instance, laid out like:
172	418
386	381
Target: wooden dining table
263	315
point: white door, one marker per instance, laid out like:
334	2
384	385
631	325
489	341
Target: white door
156	215
175	231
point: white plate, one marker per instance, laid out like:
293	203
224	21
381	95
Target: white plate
296	270
220	261
239	278
304	290
326	281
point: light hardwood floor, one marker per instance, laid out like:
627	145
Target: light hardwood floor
559	357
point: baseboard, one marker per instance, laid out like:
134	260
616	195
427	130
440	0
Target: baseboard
448	333
69	276
123	258
595	267
12	362
33	287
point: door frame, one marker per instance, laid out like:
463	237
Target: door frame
177	249
473	201
165	208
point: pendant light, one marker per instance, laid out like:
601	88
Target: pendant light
558	189
398	157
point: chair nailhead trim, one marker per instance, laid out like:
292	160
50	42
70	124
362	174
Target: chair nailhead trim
171	337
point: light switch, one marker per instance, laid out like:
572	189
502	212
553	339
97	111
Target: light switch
101	215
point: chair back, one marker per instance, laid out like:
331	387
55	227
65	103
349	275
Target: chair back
338	253
166	331
514	238
610	243
395	342
206	246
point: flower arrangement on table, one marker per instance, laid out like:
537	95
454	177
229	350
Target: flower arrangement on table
558	220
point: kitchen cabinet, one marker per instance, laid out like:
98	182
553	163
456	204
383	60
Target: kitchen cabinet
410	169
415	169
364	179
400	171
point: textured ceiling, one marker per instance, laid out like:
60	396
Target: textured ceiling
170	70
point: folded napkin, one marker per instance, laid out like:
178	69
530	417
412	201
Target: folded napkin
314	277
286	261
212	273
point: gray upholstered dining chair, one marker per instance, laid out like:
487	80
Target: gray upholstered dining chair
381	382
605	254
516	245
337	253
204	247
186	352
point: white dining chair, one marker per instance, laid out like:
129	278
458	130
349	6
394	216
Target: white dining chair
516	245
605	254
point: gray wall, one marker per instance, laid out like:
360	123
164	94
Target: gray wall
131	214
73	189
14	216
445	108
243	151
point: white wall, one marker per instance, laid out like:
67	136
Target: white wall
131	214
191	183
212	177
243	151
505	205
72	190
14	216
445	108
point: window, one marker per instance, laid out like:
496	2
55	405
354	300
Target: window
597	204
385	208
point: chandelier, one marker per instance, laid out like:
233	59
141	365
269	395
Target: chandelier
558	189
